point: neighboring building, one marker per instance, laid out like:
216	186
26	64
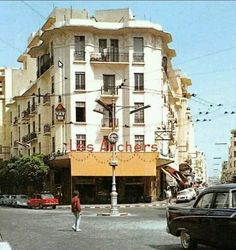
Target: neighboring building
113	60
228	173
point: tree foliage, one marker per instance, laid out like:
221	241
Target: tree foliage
24	171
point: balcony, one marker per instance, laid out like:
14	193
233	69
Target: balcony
46	99
47	63
15	145
107	123
47	129
15	122
79	55
33	136
109	57
26	138
33	109
138	57
25	114
108	93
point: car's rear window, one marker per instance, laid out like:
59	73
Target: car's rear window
183	192
45	196
23	197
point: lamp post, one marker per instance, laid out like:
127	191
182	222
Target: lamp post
113	138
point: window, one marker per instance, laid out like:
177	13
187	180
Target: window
10	117
18	111
79	48
222	200
234	153
234	199
52	85
80	112
80	80
53	115
39	123
38	95
205	201
138	82
139	139
39	147
11	139
80	142
139	115
53	145
34	151
33	126
138	55
102	45
109	84
19	134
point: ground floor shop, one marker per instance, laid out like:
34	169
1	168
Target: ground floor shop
138	177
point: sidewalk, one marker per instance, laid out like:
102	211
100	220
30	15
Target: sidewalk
162	204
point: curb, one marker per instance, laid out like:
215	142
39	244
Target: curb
119	206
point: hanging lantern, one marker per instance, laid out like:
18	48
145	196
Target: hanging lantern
60	112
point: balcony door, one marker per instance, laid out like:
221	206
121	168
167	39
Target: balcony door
114	50
109	84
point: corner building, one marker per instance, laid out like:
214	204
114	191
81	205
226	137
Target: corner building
109	58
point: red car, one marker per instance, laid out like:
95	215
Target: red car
43	200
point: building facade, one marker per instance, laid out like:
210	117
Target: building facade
86	76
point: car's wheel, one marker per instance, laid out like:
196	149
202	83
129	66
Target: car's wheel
186	241
54	206
41	206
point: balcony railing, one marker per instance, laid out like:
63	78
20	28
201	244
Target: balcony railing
138	57
107	123
46	99
33	136
47	129
47	63
33	108
26	138
25	114
79	55
109	57
109	91
15	145
15	122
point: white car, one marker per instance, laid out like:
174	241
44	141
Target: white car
187	194
20	200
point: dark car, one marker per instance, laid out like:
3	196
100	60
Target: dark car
211	220
42	200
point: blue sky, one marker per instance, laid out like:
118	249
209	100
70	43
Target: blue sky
203	35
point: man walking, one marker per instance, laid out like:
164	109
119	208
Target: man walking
76	210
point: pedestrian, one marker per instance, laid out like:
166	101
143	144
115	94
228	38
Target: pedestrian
169	195
76	210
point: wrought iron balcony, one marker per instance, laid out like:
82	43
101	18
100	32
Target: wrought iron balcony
15	145
138	57
109	90
109	57
25	114
47	63
33	136
107	123
26	138
79	55
33	109
15	122
47	128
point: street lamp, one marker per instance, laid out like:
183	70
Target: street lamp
113	138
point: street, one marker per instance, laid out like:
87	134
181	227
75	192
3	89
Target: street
33	229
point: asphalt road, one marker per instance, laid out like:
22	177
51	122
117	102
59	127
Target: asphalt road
35	229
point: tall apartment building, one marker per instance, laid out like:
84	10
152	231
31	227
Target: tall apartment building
228	173
87	64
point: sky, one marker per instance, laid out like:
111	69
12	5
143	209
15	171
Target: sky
204	38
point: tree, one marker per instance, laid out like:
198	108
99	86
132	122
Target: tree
24	171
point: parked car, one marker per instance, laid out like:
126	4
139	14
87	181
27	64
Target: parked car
187	194
20	200
42	200
211	220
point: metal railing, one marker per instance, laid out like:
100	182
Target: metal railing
109	90
47	128
107	122
109	57
79	55
138	57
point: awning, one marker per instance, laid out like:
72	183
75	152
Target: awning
163	161
184	166
180	178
